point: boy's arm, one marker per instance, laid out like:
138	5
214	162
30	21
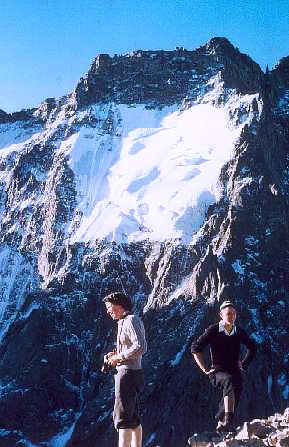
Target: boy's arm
199	359
251	349
197	348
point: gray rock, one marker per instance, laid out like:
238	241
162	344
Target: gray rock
285	418
203	439
256	428
283	438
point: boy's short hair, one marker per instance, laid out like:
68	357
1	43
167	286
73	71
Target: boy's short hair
227	304
118	298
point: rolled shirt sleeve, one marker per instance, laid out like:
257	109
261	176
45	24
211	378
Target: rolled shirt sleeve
135	333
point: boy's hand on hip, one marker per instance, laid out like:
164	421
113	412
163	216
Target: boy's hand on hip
241	367
210	371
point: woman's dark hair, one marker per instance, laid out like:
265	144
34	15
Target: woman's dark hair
118	298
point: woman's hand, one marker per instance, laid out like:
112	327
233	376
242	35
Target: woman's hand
113	359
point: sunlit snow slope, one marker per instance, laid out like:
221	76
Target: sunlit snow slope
156	179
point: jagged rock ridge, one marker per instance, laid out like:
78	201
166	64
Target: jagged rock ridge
53	276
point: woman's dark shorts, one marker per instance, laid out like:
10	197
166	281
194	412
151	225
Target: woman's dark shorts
128	384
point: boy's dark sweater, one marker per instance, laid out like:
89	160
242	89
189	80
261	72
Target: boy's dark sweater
225	349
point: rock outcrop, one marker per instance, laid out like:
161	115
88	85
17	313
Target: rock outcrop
166	77
272	431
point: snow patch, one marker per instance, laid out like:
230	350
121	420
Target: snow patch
269	385
154	177
151	439
178	356
285	392
62	438
282	379
13	136
237	266
283	103
17	279
257	337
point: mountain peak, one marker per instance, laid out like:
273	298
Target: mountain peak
220	43
222	47
161	77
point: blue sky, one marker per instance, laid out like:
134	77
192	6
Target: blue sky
47	45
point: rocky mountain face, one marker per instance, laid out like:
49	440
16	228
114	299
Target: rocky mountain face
73	228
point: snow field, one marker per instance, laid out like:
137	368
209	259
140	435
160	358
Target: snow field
156	180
